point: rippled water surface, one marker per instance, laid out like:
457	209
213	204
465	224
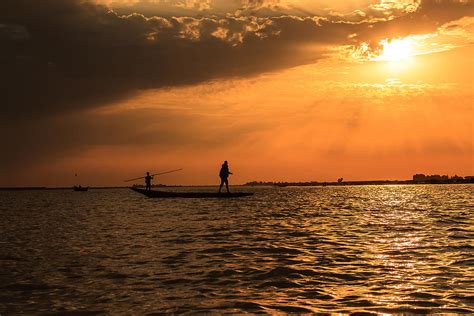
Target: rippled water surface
389	249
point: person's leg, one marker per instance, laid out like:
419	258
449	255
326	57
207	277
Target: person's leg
227	185
222	183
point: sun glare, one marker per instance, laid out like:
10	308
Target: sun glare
395	49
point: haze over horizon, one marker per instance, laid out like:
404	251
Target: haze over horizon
285	90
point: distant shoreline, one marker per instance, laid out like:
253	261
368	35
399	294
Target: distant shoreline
109	187
53	188
353	183
255	184
417	179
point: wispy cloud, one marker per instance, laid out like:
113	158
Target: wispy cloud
451	35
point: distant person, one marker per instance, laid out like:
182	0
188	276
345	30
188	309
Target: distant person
224	175
148	179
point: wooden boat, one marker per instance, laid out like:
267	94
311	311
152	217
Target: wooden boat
80	189
192	195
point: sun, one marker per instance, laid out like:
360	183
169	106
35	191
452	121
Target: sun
395	50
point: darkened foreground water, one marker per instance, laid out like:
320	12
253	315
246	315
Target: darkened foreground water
389	249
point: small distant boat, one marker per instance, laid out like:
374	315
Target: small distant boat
80	189
192	195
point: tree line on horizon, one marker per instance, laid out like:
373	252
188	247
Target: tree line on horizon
416	179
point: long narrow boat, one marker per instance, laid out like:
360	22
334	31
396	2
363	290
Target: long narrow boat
80	189
192	195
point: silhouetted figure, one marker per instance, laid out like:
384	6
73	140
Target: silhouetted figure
80	188
224	175
148	179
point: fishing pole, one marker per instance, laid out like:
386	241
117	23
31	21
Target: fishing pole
155	174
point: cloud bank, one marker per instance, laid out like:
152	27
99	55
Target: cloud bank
65	55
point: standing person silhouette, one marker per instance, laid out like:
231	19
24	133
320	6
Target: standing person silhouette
224	175
148	179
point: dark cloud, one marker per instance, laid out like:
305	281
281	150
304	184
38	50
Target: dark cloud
78	54
62	55
430	15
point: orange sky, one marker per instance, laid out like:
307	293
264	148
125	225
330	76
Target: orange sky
367	106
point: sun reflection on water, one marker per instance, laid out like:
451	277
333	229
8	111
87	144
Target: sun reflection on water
369	249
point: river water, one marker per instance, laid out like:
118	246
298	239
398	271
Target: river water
375	249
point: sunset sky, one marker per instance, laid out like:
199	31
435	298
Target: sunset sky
285	90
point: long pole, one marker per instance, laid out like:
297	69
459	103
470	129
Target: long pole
155	174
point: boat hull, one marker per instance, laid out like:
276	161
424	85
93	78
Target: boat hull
190	195
81	189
